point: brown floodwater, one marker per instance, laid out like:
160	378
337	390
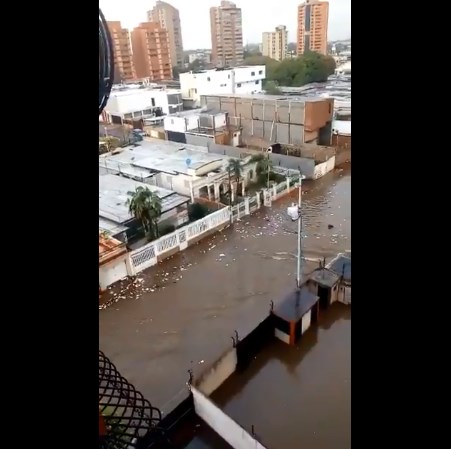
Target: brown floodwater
181	314
298	397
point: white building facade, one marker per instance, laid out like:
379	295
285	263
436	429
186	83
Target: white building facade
238	80
127	103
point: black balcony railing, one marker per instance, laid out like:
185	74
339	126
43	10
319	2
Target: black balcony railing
127	418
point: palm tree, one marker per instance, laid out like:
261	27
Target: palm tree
264	165
234	169
145	206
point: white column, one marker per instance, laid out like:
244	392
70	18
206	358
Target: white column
246	206
191	190
217	195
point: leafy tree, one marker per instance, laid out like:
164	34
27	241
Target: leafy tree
145	206
308	68
235	169
272	88
196	211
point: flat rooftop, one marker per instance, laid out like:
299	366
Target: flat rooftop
110	248
297	397
295	304
261	96
110	226
150	156
324	277
132	90
113	196
341	265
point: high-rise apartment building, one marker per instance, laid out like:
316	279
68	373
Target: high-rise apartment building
123	60
313	18
151	54
275	43
226	34
168	17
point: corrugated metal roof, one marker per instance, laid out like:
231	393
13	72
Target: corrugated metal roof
113	197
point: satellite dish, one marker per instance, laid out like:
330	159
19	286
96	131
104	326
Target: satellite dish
188	162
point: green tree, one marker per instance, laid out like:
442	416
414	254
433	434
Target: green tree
145	206
272	88
235	169
263	167
196	211
308	68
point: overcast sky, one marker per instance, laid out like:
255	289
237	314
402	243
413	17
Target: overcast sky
258	16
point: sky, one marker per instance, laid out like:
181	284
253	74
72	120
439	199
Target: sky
258	16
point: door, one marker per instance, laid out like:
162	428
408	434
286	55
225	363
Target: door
324	297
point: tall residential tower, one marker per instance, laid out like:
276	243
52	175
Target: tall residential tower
313	18
275	43
226	35
151	53
123	60
168	18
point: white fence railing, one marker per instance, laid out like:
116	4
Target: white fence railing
253	203
178	240
147	256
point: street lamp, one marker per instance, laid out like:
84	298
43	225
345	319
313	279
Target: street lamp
295	213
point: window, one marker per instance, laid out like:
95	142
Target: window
172	121
256	82
195	91
208	79
238	85
260	72
153	102
252	73
228	76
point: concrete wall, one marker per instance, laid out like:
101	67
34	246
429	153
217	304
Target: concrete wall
113	271
213	377
274	119
268	119
222	424
306	165
196	139
324	168
136	100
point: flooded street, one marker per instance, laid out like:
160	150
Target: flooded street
309	387
181	314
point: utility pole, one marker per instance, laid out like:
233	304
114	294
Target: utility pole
299	259
295	213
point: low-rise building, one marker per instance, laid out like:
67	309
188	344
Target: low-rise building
202	56
114	263
186	169
199	127
268	119
238	80
113	208
138	102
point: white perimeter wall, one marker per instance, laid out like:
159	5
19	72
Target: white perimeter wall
114	271
325	167
222	424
